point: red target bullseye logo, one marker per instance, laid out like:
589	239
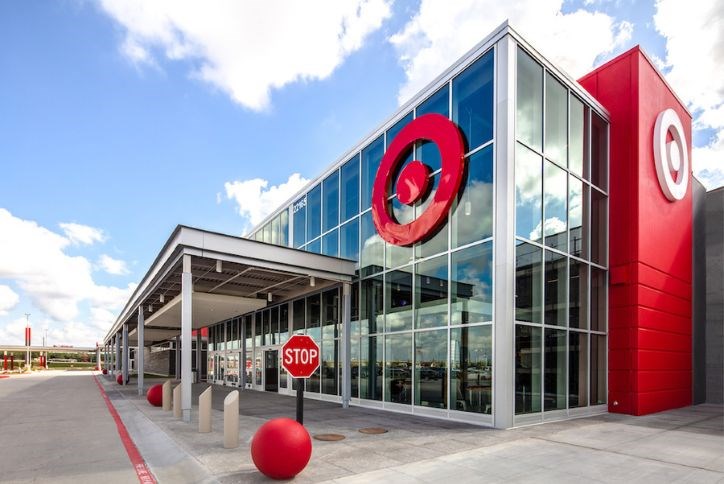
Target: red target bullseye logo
414	180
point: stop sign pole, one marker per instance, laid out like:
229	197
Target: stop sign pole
300	357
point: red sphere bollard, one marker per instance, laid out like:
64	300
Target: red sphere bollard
119	379
105	371
281	448
154	395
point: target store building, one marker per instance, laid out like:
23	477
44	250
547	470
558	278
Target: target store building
511	246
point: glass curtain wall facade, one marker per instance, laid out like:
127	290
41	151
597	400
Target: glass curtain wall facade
423	317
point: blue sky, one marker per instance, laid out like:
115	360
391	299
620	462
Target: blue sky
120	122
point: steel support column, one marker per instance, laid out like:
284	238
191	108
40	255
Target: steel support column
126	352
186	324
346	344
139	352
198	355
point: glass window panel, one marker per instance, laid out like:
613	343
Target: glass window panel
528	283
577	140
556	280
398	297
267	233
257	330
354	302
599	152
329	243
330	314
472	101
437	103
349	240
330	366
431	292
371	157
354	363
314	315
471	275
330	187
259	236
314	212
437	242
556	120
314	246
471	369
274	326
431	368
298	312
472	213
370	372
284	228
529	101
578	313
599	234
276	229
578	372
372	247
598	369
402	213
598	299
249	336
528	193
299	217
398	368
349	186
372	308
397	256
283	323
554	380
265	331
312	383
527	369
578	217
555	207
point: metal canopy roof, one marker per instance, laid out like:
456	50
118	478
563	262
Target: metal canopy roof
250	271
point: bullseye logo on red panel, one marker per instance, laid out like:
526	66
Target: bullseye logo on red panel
413	182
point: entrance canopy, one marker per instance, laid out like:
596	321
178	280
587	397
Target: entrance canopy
230	276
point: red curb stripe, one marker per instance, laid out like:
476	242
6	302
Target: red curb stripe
139	465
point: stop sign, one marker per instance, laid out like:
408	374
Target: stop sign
300	356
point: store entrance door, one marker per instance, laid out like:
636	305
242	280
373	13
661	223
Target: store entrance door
271	370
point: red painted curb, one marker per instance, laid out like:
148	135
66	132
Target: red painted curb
139	465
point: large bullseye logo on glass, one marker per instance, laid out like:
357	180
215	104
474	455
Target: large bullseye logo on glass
414	179
671	157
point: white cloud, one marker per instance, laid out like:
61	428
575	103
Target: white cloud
79	234
56	283
8	299
255	201
695	59
446	30
113	266
13	333
246	49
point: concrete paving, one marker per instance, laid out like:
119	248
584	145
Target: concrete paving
684	445
55	427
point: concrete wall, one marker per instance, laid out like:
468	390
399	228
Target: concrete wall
715	296
698	339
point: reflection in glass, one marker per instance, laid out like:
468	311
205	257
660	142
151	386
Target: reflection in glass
349	240
314	212
578	372
267	234
528	193
398	368
275	231
257	330
472	101
437	103
556	279
315	246
354	364
298	312
299	216
431	293
330	187
371	307
471	369
598	299
265	339
598	369
398	287
471	275
554	382
599	219
599	152
431	368
577	147
329	366
472	212
578	216
349	186
402	213
370	371
555	209
397	256
371	157
528	283
329	244
577	313
283	323
314	314
556	120
529	101
527	369
274	326
436	243
330	314
373	247
312	383
284	228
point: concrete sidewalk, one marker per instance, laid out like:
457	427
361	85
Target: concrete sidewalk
685	445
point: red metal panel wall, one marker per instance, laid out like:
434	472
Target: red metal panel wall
650	244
